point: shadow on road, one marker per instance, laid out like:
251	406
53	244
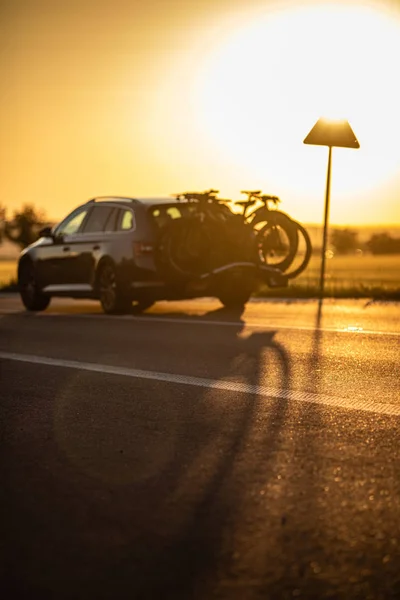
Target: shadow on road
173	544
203	475
119	487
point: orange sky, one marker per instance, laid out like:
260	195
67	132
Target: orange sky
156	97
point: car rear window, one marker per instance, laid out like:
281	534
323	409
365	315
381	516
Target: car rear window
162	215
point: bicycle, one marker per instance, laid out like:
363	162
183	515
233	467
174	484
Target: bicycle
201	241
278	238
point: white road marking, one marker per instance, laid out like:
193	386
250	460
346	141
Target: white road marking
217	384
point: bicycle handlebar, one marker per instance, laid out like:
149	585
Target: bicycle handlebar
211	196
251	194
254	195
207	196
266	197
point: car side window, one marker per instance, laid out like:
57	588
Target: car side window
72	223
112	220
126	220
97	219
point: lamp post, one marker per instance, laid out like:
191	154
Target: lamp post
329	133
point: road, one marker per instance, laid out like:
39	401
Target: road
196	453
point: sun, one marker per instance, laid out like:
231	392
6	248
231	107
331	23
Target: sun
264	86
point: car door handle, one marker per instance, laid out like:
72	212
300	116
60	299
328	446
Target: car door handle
66	249
96	247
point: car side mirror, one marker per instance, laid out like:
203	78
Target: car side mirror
46	232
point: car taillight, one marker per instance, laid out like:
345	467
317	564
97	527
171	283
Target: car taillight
142	248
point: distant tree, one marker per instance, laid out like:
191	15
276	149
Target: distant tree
383	243
2	222
24	227
344	241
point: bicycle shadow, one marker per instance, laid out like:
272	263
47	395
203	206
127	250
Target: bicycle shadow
196	509
265	426
229	490
203	475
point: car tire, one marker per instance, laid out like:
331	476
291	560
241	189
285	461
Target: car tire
233	300
235	289
113	299
32	297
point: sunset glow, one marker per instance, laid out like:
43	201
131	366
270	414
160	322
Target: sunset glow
155	98
265	87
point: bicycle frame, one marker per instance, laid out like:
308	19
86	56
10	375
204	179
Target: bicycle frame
262	213
207	204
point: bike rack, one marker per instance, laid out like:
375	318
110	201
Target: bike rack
270	275
273	276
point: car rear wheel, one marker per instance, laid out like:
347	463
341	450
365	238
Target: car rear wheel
235	290
113	300
32	297
234	299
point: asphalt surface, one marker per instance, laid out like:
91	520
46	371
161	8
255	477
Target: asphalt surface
197	453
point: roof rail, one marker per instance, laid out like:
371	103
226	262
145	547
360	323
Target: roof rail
111	199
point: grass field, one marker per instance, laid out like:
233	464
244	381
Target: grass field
345	275
355	270
8	271
349	276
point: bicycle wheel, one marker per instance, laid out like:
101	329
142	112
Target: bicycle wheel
307	252
278	241
186	248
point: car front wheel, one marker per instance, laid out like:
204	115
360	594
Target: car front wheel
32	298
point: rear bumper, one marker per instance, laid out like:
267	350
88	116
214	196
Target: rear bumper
245	275
261	273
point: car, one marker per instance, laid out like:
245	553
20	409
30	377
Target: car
109	249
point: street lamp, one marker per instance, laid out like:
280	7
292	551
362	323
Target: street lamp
330	133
